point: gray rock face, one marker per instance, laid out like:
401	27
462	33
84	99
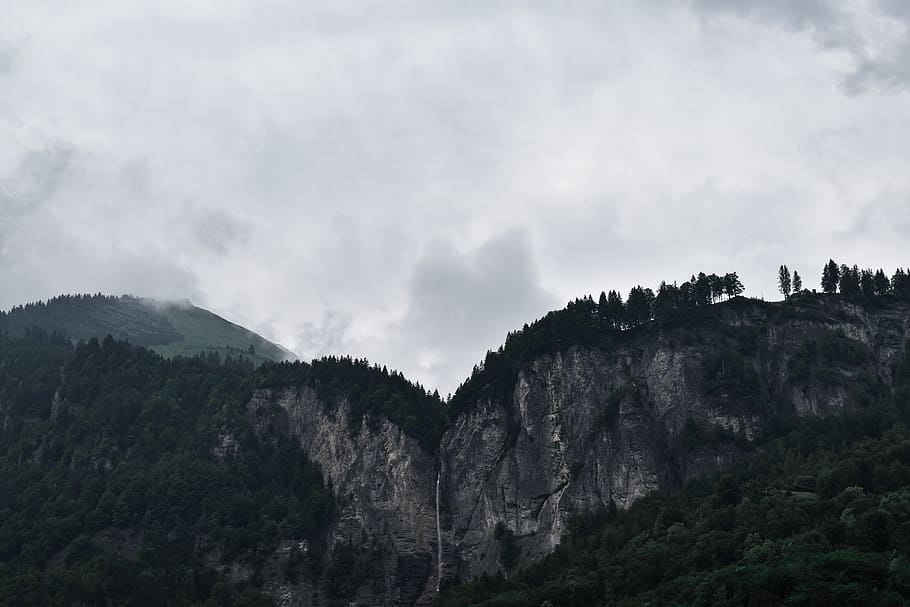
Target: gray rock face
384	487
587	427
582	429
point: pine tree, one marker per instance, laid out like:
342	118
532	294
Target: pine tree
616	311
717	287
881	282
732	286
797	283
603	310
867	283
666	303
783	281
702	289
900	284
638	306
850	281
830	277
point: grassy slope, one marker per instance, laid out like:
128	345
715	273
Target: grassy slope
202	330
169	328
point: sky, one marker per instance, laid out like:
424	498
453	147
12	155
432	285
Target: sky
407	181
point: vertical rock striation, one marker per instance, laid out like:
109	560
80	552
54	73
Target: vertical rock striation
383	486
586	427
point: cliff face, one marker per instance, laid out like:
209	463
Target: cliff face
588	426
384	487
581	428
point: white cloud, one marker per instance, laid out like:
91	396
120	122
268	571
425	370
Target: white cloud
408	181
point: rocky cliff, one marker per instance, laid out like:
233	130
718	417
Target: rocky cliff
582	426
384	488
588	426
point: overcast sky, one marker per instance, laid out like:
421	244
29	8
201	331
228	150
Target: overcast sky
407	181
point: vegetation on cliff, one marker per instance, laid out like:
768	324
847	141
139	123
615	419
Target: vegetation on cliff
820	517
373	393
608	321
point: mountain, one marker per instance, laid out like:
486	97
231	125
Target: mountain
170	328
130	479
549	428
129	476
573	416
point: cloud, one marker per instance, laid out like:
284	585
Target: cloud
886	214
408	181
875	33
462	303
7	58
217	231
37	174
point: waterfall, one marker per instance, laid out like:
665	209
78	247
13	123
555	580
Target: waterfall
438	536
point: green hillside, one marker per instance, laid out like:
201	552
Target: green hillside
171	328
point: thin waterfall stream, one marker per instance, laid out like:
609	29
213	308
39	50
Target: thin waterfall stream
438	536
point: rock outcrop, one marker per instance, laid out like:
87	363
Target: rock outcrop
587	427
384	488
581	428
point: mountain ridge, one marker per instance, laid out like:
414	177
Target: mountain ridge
571	415
171	328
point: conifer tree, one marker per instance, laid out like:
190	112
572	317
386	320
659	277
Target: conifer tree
900	284
702	289
666	302
830	277
732	285
638	306
881	283
850	281
797	283
616	311
867	283
783	281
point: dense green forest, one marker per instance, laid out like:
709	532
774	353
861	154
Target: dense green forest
129	479
820	516
113	489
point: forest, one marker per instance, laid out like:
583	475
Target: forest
130	479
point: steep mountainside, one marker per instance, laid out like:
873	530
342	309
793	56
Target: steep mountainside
571	417
170	328
608	421
338	482
820	516
129	479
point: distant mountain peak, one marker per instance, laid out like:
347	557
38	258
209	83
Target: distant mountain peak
170	327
